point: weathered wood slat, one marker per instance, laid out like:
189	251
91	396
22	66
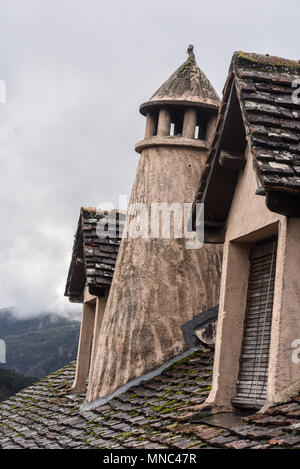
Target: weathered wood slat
258	329
260	268
253	348
255	333
259	376
248	402
257	310
258	318
260	302
257	285
251	388
254	392
250	384
258	321
253	343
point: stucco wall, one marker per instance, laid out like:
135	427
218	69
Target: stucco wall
284	372
248	211
92	314
158	284
249	220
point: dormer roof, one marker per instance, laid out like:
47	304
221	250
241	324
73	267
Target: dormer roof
258	108
94	258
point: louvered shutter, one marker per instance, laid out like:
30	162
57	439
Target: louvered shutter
251	390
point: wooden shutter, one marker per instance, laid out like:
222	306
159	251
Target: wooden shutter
251	390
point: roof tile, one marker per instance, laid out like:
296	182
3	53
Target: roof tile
93	259
150	416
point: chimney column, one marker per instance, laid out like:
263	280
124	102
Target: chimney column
150	125
189	123
164	123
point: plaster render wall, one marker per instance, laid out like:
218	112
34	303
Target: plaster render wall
92	314
249	220
158	284
284	371
84	346
230	324
99	315
248	211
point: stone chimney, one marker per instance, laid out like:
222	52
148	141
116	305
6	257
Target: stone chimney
158	283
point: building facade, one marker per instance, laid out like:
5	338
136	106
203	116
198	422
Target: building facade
92	266
254	164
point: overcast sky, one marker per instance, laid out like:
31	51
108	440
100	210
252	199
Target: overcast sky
76	72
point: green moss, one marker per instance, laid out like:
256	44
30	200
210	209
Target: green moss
181	385
180	362
246	57
123	436
245	60
171	402
187	67
167	408
207	388
196	417
197	444
141	438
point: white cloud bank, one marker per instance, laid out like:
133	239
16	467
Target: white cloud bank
75	74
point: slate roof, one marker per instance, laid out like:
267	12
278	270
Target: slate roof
187	85
93	258
161	413
271	119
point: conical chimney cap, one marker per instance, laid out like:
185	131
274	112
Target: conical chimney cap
187	86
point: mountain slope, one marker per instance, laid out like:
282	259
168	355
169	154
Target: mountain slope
12	382
40	345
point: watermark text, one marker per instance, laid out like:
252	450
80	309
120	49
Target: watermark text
2	351
296	93
156	221
296	352
2	91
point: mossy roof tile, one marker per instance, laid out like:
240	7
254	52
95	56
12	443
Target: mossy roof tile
53	418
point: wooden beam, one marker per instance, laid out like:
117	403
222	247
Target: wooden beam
214	224
97	291
214	236
234	161
284	203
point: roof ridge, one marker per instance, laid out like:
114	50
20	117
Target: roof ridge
264	62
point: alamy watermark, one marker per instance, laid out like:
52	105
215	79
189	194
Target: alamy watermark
2	91
156	221
2	351
296	352
296	93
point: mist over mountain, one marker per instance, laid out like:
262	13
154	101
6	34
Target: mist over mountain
38	345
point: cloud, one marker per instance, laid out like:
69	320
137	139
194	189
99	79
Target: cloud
75	74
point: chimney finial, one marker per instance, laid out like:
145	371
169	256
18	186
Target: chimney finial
190	51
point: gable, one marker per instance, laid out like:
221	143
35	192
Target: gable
272	121
219	180
94	258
